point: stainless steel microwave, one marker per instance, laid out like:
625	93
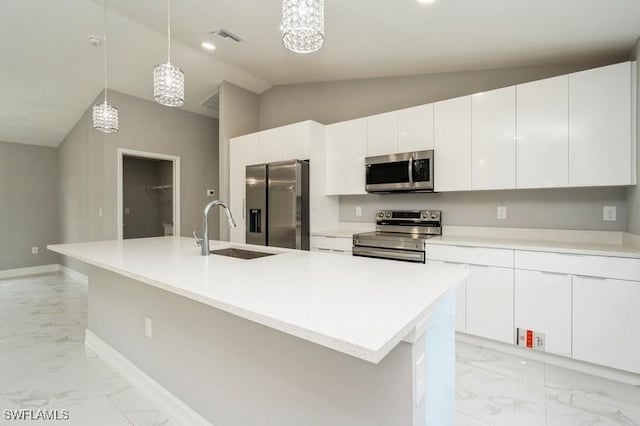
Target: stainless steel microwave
406	172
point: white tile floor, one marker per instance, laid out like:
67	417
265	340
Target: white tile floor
43	364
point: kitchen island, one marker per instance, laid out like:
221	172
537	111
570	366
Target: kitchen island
294	338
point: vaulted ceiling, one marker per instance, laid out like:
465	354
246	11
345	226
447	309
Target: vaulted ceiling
49	74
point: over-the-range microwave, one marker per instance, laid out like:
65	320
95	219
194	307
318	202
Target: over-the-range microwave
405	172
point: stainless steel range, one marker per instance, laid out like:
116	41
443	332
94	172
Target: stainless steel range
399	235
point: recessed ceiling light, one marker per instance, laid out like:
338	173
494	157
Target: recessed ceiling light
208	45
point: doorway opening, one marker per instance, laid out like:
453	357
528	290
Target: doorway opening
148	195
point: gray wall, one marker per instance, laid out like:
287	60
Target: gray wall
343	100
28	205
633	201
238	116
145	211
579	208
88	165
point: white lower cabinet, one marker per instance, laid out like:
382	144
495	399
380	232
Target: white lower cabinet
606	317
543	304
337	245
461	302
490	303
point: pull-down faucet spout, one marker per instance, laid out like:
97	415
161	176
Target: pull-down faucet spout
204	241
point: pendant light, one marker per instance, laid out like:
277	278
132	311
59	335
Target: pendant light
303	25
105	116
168	80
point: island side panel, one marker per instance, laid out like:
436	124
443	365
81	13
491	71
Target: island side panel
236	372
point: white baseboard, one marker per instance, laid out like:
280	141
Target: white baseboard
32	270
164	400
557	360
74	274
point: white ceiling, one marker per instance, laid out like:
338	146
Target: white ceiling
49	75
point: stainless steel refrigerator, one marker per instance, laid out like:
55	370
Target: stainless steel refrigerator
277	204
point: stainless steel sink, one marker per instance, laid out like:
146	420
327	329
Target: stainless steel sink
240	253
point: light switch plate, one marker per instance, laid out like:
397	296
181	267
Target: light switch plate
358	211
609	213
34	250
126	210
148	327
501	213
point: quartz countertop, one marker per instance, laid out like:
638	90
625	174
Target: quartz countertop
567	247
358	306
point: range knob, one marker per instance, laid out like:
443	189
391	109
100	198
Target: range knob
425	215
380	215
434	216
388	215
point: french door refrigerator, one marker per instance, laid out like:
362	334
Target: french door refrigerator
277	204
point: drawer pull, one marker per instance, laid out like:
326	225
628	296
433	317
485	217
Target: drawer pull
554	273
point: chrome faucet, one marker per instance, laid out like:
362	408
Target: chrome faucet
204	241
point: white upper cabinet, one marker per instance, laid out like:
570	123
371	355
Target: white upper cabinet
493	138
296	142
382	130
415	128
345	151
452	144
543	133
242	153
600	143
271	144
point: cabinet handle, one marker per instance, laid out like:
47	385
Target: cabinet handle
554	273
243	208
592	278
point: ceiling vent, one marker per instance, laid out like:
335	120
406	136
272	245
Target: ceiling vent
212	102
226	35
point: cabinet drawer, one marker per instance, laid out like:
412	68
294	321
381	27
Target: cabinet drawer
331	244
471	255
591	266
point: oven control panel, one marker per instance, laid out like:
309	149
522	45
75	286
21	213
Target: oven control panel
408	216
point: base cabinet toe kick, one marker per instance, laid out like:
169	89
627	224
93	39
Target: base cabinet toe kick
575	306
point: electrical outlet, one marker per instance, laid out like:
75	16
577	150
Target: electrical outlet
211	192
126	210
609	213
358	211
530	339
148	327
34	250
501	212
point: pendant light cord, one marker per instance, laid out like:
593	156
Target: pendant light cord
168	31
105	50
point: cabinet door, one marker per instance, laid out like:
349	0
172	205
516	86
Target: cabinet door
600	144
493	138
490	303
295	143
461	302
605	322
452	144
382	134
543	304
270	145
415	128
238	156
346	148
543	133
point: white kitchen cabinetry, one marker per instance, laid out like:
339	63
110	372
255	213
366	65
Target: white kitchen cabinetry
382	134
242	152
271	144
452	144
461	301
297	139
600	134
490	303
543	304
605	322
336	245
493	145
415	128
543	133
345	151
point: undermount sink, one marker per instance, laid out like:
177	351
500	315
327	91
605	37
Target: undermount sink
240	253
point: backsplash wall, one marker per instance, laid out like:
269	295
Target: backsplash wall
574	208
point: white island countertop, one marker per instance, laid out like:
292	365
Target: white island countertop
358	306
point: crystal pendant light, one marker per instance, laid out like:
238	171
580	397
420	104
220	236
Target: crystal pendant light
303	25
105	116
168	80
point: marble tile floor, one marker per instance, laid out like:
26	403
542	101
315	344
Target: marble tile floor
43	364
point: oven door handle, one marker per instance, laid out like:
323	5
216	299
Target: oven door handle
411	256
411	170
